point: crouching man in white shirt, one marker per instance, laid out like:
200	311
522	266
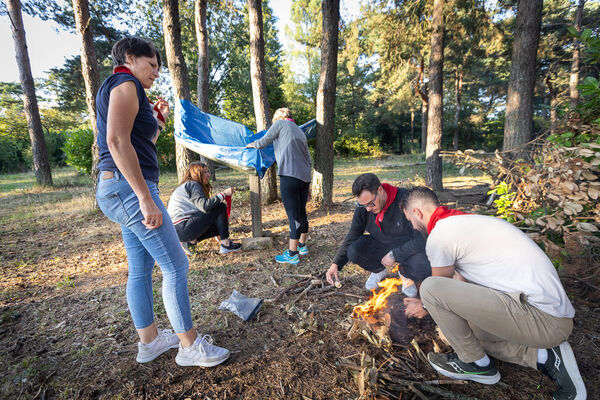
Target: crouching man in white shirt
506	300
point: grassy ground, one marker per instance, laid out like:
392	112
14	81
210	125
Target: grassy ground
65	331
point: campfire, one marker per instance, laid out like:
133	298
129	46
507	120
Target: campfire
382	315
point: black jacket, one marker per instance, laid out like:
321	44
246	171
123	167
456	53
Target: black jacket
396	232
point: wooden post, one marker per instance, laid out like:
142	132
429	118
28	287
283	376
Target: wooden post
255	204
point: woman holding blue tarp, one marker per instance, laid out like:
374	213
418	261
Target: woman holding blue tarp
294	170
128	194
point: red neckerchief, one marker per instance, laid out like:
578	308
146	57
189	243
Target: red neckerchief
228	201
391	195
440	213
126	70
289	119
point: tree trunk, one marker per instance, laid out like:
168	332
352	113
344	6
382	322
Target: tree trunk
258	77
421	90
323	175
458	83
178	71
435	121
574	79
41	166
518	125
553	103
203	69
91	76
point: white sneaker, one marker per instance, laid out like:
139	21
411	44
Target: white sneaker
202	353
164	341
374	279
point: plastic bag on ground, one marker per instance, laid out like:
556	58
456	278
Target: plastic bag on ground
244	307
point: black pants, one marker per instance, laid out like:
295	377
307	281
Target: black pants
367	253
202	226
294	194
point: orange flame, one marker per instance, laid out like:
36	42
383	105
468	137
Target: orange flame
395	268
379	299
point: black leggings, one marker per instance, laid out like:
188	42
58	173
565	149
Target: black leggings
294	194
202	226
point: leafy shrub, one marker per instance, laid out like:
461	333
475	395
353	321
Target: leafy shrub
10	154
165	147
352	146
55	142
78	149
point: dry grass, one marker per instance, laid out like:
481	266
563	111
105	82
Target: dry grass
66	333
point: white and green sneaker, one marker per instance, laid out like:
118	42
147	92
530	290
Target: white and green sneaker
303	250
165	341
451	366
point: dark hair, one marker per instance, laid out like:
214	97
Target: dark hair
133	46
366	181
421	193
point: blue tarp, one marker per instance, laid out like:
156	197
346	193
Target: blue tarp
222	140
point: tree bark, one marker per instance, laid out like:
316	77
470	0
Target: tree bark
518	125
574	79
203	68
421	90
553	103
178	71
323	175
41	165
91	76
436	82
458	83
258	77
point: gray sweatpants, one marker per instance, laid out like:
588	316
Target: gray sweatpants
477	320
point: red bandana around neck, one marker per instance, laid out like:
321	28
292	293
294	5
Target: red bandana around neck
440	213
125	70
391	196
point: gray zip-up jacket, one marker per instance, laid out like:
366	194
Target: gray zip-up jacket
291	151
188	199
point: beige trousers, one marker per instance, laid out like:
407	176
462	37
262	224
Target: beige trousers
477	320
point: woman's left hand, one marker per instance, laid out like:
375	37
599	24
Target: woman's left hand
250	146
163	107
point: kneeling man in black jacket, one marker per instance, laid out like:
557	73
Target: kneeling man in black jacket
390	239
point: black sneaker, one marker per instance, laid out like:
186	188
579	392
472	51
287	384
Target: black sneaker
450	365
233	246
561	367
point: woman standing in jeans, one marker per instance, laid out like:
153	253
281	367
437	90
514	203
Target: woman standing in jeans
128	195
196	215
294	166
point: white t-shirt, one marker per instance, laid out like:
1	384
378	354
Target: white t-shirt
491	252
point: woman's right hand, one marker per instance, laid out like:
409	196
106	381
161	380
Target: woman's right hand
229	191
153	217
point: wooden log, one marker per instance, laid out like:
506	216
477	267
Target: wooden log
255	205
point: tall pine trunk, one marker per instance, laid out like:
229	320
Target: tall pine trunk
435	121
421	90
574	78
178	71
553	104
518	125
203	68
458	83
258	79
41	166
323	174
91	75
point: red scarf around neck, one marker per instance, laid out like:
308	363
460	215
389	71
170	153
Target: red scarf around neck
391	192
125	70
440	213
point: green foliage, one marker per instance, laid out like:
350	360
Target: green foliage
78	149
10	154
352	146
505	201
165	148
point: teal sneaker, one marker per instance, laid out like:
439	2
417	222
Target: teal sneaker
303	250
286	258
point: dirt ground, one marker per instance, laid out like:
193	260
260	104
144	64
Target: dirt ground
65	331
